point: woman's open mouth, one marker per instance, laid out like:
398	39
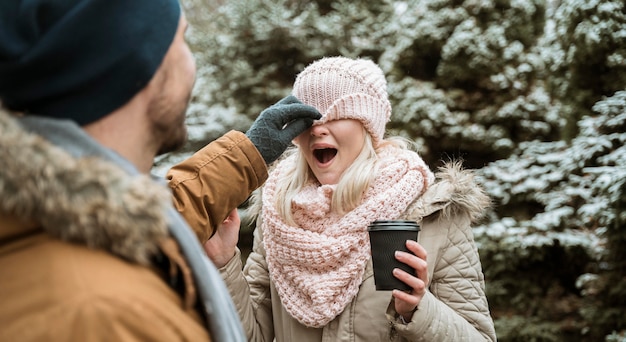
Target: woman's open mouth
324	155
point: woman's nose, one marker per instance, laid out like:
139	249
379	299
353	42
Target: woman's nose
319	130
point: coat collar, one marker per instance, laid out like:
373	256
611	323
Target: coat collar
85	200
455	192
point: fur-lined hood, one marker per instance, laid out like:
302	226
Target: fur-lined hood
455	192
83	200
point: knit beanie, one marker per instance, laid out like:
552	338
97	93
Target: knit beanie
344	88
81	59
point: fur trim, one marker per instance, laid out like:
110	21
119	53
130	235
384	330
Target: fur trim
87	200
465	194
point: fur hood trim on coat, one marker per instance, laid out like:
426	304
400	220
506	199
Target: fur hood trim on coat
455	192
81	200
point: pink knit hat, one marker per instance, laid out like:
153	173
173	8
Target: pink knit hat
344	88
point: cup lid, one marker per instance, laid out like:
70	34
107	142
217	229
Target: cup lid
393	225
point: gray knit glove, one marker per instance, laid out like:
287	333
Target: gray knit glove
273	131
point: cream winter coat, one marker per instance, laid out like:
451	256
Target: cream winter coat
454	309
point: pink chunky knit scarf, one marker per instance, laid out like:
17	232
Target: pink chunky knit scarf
318	265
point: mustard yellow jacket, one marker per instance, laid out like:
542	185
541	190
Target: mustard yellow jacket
67	276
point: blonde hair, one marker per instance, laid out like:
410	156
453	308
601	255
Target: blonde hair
352	184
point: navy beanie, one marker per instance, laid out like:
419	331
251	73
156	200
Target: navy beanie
81	59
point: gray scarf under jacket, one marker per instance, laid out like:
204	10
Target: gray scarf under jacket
223	320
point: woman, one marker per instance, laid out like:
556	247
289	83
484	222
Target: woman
309	276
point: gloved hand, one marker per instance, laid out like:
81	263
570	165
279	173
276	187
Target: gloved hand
279	124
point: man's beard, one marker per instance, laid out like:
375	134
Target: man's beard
175	143
168	124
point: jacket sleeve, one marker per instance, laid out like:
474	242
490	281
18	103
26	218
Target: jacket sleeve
250	290
216	180
455	308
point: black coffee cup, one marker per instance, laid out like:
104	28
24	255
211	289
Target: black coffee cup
387	237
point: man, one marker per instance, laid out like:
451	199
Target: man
91	247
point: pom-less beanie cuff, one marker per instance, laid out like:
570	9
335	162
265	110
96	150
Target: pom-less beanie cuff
81	59
344	88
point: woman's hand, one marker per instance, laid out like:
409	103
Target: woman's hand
221	246
407	302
